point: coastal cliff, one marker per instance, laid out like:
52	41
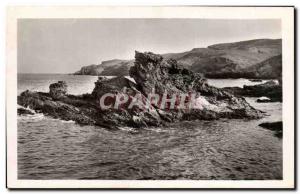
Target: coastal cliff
259	58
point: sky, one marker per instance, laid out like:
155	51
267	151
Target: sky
65	45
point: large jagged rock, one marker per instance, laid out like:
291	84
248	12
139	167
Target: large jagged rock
151	73
68	108
85	109
135	116
24	111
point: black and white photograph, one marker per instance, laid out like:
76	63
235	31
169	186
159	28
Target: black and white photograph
195	100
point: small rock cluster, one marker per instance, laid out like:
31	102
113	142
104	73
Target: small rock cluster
58	90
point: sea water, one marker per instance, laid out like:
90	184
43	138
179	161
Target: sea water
199	150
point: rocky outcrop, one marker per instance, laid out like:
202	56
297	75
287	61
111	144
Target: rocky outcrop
152	74
269	89
58	90
76	108
263	99
274	126
114	67
24	111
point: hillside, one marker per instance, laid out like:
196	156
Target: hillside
249	59
108	68
270	68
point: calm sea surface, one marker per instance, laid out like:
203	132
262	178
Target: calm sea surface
223	149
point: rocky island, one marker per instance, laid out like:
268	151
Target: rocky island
151	73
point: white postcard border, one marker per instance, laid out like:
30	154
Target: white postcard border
286	14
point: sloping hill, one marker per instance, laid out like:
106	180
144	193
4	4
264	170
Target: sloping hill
270	68
111	67
228	60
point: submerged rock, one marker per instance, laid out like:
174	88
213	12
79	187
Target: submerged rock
273	126
263	99
152	73
121	102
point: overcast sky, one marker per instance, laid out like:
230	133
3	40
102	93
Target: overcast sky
65	45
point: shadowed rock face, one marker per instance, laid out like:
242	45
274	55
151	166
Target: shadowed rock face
152	73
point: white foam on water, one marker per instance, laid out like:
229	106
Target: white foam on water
155	129
69	121
128	129
35	117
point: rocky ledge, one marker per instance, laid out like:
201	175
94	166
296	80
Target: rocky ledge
152	74
271	91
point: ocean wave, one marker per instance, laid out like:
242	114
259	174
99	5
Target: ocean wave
128	129
34	117
40	116
63	121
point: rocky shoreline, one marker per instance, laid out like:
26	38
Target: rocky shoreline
151	72
271	90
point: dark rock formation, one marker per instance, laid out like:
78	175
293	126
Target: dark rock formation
263	100
274	126
58	90
114	67
151	73
23	111
70	107
269	89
